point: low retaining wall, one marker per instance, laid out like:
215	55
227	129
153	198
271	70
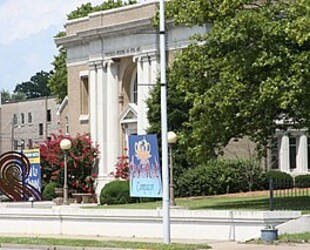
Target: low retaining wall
185	224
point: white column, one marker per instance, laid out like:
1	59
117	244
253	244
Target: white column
112	125
302	154
284	152
146	69
93	102
101	83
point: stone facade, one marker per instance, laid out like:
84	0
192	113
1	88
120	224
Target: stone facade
25	124
113	62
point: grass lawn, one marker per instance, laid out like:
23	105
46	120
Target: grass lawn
240	201
97	243
296	238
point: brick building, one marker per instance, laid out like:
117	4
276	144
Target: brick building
26	123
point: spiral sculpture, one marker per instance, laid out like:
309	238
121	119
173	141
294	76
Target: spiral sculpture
14	171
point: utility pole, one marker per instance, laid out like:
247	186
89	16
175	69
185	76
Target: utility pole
12	133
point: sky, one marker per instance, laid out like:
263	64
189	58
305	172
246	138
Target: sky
27	35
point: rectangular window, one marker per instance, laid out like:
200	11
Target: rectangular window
22	118
293	152
84	96
14	119
29	117
15	144
40	128
48	115
30	143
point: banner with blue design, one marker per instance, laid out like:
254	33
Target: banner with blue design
34	177
144	166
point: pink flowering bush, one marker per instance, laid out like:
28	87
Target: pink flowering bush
122	167
81	158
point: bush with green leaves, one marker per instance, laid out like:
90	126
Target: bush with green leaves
219	177
116	192
48	193
280	180
302	181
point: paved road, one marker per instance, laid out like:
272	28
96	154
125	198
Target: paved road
248	246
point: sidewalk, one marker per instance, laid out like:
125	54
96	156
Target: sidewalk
250	246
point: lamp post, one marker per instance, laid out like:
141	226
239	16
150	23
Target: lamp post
172	139
164	124
65	145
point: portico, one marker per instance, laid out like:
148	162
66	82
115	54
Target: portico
290	153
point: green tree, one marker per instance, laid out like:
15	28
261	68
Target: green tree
36	87
248	72
6	96
81	159
58	81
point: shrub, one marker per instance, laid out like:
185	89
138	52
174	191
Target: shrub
281	180
48	193
302	181
220	176
116	192
122	168
80	161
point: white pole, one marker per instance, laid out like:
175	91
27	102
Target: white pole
165	172
65	202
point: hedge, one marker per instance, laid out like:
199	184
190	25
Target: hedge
219	177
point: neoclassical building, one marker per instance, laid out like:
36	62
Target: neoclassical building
113	62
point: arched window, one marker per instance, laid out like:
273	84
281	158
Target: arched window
134	88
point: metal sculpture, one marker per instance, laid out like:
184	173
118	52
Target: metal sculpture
14	171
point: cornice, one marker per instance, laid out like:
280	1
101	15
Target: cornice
143	26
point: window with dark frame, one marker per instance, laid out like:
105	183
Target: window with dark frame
40	128
48	115
135	90
22	118
29	117
293	153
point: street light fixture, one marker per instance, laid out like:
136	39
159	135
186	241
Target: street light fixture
65	145
172	139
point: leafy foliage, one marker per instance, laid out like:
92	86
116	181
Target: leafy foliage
280	179
250	71
81	158
220	177
302	181
122	168
49	191
58	81
116	192
87	8
6	96
36	87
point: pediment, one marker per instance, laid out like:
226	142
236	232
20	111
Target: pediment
129	113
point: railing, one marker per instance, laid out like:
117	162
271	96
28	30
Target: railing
289	195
